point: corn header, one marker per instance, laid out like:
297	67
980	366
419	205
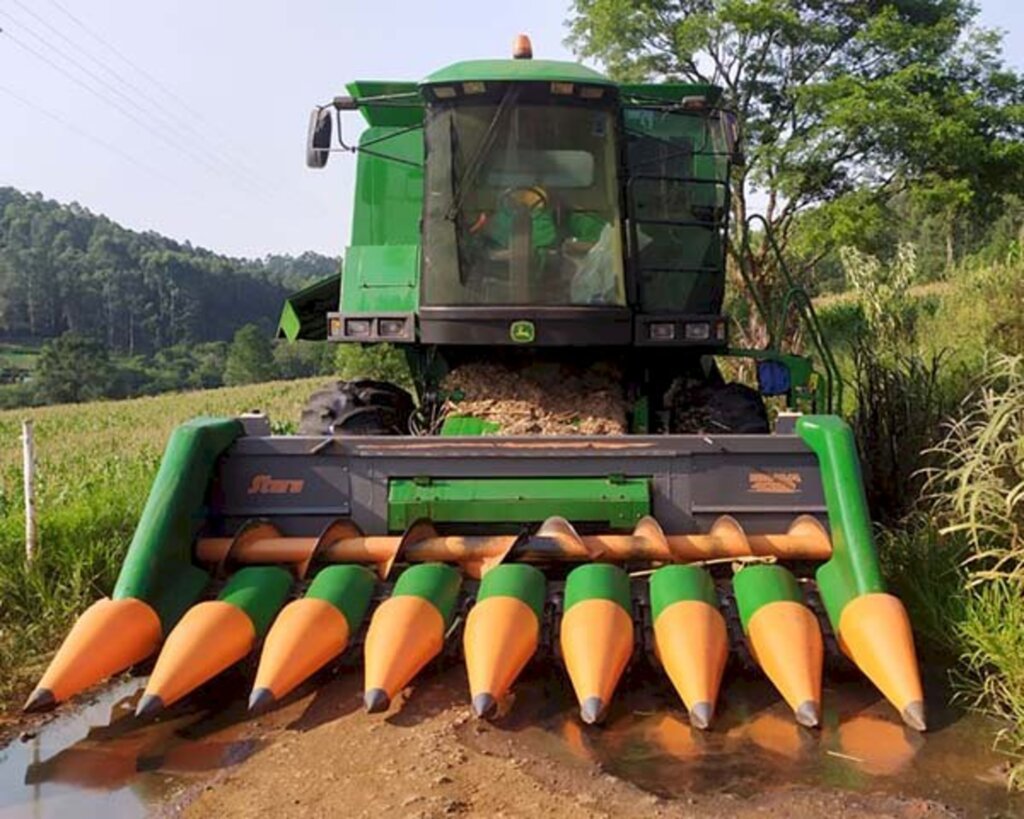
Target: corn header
523	213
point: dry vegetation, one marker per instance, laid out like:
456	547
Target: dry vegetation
542	399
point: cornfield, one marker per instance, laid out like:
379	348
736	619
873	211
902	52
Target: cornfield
95	463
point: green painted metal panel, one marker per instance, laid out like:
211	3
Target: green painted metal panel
756	586
304	315
672	584
671	91
516	580
259	591
620	502
389	190
853	569
381	279
462	425
434	582
598	581
516	71
158	568
400	104
347	588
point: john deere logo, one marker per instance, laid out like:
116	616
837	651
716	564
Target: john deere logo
522	332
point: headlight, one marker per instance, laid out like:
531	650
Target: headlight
391	328
662	331
698	331
357	327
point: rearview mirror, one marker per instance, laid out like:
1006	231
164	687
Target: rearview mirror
318	138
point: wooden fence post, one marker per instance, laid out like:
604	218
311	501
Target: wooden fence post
29	468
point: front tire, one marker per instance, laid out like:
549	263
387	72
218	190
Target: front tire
361	407
722	409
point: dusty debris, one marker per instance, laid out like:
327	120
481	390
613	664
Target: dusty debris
540	399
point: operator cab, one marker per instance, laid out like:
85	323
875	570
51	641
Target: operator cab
532	202
522	197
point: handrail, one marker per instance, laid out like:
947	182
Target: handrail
796	296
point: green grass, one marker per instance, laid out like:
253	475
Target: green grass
993	679
18	355
925	570
95	463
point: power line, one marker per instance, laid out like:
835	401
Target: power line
168	119
187	150
93	138
251	172
237	171
135	67
117	151
224	141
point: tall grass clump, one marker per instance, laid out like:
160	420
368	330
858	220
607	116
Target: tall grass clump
980	484
977	489
901	396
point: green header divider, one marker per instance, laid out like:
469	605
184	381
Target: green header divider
518	580
598	581
757	586
853	569
673	584
158	568
259	591
348	588
437	583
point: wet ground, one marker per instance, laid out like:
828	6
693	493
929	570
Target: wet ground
97	760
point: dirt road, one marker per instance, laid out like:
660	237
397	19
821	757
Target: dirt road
428	758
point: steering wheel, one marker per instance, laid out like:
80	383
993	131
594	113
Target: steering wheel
531	198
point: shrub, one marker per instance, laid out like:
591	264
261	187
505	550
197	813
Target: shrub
979	488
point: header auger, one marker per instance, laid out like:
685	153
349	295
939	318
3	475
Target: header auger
536	216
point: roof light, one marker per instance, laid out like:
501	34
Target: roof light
444	92
475	87
523	48
591	92
695	103
562	88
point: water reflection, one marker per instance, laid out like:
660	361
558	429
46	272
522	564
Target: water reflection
99	760
755	745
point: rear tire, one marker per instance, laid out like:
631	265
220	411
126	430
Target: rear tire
710	409
361	407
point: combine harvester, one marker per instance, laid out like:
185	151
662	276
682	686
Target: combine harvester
518	211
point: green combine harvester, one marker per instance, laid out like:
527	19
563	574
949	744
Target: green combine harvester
521	213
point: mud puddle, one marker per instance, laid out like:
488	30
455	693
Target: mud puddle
97	760
755	747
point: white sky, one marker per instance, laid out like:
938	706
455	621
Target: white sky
198	125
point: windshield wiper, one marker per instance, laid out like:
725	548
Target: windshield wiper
476	161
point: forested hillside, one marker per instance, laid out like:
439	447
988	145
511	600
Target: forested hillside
65	269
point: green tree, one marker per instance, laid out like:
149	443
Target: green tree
63	268
839	104
73	368
379	361
302	359
250	357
